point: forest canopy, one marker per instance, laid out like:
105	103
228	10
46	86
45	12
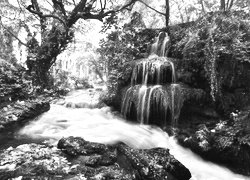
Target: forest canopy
46	28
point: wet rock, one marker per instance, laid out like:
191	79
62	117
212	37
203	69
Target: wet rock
156	163
32	159
80	159
152	164
77	146
21	111
228	143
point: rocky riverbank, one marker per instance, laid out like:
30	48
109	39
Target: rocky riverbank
226	142
20	112
75	158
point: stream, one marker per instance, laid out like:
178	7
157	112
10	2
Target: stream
103	126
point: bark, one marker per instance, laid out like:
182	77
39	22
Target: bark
167	13
222	5
52	45
202	7
230	5
55	40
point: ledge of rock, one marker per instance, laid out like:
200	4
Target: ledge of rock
76	158
20	111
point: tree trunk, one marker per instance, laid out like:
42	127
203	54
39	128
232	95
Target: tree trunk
55	39
202	7
40	72
167	13
222	5
45	56
230	5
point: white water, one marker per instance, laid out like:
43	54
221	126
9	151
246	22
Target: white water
100	125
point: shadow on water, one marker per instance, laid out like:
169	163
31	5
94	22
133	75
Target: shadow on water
9	136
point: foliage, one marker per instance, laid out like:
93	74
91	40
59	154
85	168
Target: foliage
14	84
233	131
33	159
203	137
54	24
63	81
6	47
123	46
217	48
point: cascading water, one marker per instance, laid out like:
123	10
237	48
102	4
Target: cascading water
101	125
154	93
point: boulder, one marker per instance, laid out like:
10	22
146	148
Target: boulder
80	159
152	164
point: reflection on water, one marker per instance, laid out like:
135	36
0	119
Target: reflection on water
100	125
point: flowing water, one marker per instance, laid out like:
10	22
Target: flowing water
154	93
153	96
101	125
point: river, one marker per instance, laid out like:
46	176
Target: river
103	126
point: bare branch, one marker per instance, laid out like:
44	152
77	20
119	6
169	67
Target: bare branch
60	4
227	3
49	3
30	8
101	5
151	8
55	17
118	10
19	7
231	4
40	14
105	2
35	5
12	33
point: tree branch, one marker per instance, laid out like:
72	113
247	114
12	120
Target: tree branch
60	4
31	8
151	8
118	10
101	5
231	4
40	14
12	33
56	17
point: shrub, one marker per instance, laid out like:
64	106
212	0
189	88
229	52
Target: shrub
217	49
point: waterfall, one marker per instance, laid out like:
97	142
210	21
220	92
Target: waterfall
154	97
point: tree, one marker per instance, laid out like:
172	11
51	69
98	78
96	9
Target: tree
226	5
56	27
166	14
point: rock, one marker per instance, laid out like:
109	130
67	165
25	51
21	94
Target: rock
153	164
31	160
18	112
226	143
77	146
80	159
143	164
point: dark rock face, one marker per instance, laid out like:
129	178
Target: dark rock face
155	164
20	111
228	142
75	146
